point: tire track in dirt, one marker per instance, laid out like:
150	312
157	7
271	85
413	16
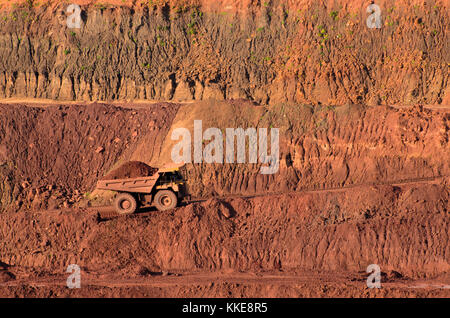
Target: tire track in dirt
303	284
107	213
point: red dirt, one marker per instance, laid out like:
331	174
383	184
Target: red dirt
131	169
364	174
278	51
298	240
329	235
49	156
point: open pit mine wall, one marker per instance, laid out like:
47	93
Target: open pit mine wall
266	51
321	147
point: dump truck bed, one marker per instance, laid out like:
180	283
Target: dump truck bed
134	185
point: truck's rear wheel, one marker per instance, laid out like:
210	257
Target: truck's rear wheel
165	200
125	203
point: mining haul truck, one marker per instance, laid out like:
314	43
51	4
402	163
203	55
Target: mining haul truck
164	190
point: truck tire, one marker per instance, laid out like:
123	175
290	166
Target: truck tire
125	203
165	200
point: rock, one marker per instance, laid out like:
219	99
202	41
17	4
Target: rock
99	149
66	91
183	92
212	91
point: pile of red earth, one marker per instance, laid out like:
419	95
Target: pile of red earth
131	169
90	138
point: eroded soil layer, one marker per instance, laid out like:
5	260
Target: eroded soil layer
270	52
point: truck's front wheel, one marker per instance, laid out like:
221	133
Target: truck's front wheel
165	200
125	203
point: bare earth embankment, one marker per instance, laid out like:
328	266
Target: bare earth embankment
360	182
314	236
